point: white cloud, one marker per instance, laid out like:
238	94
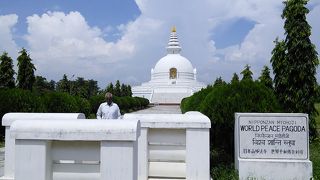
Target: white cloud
65	43
7	43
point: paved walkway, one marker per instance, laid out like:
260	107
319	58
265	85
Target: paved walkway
160	109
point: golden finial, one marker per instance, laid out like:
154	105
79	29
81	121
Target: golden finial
173	29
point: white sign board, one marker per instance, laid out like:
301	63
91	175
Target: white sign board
272	137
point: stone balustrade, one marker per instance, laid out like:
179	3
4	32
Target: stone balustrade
76	149
166	146
9	118
173	146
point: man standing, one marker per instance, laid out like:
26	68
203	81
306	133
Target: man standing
108	109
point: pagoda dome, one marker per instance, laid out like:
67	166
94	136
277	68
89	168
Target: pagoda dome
173	65
177	61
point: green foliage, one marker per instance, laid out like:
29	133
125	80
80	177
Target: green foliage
6	71
18	100
220	103
265	77
224	172
26	70
83	105
41	85
110	88
294	61
60	102
315	158
193	102
219	81
235	78
63	85
246	73
117	89
126	104
95	102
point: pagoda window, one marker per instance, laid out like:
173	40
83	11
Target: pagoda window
173	73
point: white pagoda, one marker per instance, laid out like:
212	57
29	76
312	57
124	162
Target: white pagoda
172	79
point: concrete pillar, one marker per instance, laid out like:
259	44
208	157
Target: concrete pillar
33	160
143	155
198	154
9	154
119	160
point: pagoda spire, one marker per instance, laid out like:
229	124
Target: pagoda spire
173	45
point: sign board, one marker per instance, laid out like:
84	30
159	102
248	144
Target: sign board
272	136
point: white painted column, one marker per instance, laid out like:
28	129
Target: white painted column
119	160
33	160
198	154
143	155
9	155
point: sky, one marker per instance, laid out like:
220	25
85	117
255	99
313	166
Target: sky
109	40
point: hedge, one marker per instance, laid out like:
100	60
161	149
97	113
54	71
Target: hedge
220	103
18	100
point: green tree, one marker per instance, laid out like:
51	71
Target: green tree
42	85
64	84
130	91
219	81
110	88
6	71
124	90
26	70
92	88
265	77
294	61
246	73
117	89
235	78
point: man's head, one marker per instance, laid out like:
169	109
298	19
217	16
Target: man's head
108	97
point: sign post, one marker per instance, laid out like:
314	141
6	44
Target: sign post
272	146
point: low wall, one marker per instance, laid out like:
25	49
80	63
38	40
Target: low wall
9	118
76	149
173	146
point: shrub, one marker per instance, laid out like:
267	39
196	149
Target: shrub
59	102
95	102
223	101
220	103
193	102
83	105
18	100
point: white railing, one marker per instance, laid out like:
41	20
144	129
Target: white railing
76	149
9	118
173	146
167	146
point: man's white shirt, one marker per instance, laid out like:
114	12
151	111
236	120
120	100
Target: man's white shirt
108	112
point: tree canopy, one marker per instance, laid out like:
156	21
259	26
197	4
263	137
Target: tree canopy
294	62
6	71
26	70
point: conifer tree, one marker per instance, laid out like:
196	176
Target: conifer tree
246	73
110	88
117	89
219	81
294	62
6	71
265	77
64	84
235	78
26	70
